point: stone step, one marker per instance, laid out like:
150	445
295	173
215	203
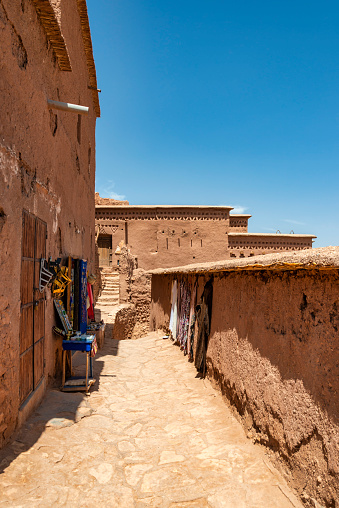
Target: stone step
108	304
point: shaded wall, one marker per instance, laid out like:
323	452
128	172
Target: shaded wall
47	167
273	352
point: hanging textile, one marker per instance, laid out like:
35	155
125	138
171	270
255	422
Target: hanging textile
174	310
185	298
90	302
204	314
191	322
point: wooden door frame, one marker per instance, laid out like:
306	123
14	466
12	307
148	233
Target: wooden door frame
32	330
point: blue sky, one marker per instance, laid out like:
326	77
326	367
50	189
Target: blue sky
222	103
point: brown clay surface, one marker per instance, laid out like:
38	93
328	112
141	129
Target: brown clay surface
273	352
150	435
108	201
47	167
166	236
324	257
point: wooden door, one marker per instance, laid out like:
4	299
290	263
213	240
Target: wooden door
105	250
32	319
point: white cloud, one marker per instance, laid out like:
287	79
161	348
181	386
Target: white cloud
108	191
239	209
119	197
296	222
270	229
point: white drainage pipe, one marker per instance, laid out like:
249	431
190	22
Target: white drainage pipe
66	106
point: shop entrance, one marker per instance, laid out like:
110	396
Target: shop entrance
105	250
32	315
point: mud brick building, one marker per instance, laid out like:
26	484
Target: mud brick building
272	350
167	236
47	172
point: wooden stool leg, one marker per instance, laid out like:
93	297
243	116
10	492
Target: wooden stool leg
87	371
63	368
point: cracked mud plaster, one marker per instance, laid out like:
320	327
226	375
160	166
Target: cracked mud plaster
2	218
273	354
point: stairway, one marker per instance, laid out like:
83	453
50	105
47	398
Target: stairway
110	290
109	297
108	302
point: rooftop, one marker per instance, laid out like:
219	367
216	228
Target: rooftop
323	258
178	207
275	235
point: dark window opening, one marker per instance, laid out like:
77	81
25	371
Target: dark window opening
79	129
89	158
77	162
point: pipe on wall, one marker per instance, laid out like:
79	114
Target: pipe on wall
66	106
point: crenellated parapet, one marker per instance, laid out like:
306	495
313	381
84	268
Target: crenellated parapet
196	213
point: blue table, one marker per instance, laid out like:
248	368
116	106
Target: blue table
74	384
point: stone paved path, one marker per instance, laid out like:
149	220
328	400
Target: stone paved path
150	435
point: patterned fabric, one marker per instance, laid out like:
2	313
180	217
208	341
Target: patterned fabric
174	310
204	316
90	310
185	299
94	348
191	323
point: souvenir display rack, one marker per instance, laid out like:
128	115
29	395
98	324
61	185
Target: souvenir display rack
71	307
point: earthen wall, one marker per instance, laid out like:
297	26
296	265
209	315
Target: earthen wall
47	167
273	352
168	236
165	243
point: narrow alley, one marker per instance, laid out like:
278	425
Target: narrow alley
150	434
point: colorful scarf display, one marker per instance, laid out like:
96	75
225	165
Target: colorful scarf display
190	322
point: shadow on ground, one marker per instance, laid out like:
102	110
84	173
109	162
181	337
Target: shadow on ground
58	409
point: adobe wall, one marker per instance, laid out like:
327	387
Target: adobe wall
47	167
126	266
247	245
167	243
132	322
98	284
109	201
168	236
273	352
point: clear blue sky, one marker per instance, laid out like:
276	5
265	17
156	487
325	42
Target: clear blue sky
222	102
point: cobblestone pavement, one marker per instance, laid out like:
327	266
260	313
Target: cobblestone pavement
151	434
